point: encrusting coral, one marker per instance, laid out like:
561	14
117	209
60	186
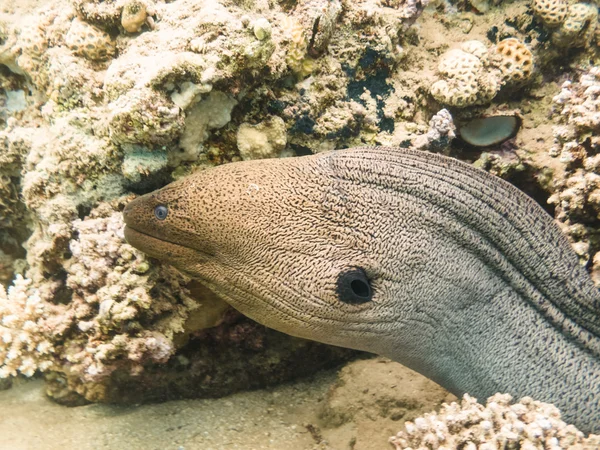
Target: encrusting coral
527	424
264	140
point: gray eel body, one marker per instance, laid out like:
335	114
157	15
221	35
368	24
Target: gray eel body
421	258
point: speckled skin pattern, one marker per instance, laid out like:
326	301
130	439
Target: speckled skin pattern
473	285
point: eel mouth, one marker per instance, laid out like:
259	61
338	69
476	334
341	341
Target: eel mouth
164	250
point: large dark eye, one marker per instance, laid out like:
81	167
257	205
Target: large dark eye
160	212
353	286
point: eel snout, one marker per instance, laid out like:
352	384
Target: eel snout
152	226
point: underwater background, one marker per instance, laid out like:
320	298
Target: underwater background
104	100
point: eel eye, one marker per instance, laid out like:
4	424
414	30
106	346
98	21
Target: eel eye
161	212
353	287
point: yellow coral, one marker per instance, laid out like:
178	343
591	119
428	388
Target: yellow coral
133	16
296	58
514	60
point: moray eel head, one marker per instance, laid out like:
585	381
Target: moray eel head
411	255
262	235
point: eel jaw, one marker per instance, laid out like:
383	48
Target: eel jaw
176	254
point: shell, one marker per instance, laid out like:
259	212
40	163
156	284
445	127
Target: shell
490	130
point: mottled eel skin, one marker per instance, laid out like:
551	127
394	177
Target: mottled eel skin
421	258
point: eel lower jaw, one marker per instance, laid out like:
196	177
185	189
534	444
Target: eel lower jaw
169	252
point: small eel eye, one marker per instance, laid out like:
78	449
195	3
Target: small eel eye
161	212
353	287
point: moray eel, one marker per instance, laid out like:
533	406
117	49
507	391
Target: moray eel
418	257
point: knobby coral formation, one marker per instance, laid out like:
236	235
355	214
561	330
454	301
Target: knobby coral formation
577	193
572	25
122	312
527	424
473	75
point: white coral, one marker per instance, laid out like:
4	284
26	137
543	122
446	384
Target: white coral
527	424
24	347
465	78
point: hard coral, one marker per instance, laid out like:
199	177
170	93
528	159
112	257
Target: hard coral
25	322
577	190
466	78
133	16
145	117
469	425
90	42
551	12
264	140
514	60
123	312
579	26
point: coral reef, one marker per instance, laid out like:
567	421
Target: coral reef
103	100
577	189
473	75
109	98
120	309
527	424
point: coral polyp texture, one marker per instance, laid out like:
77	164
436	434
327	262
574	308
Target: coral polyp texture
579	27
514	60
571	24
551	12
86	40
466	78
24	322
473	74
527	424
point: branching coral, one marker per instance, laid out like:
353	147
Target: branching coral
527	424
123	312
25	323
